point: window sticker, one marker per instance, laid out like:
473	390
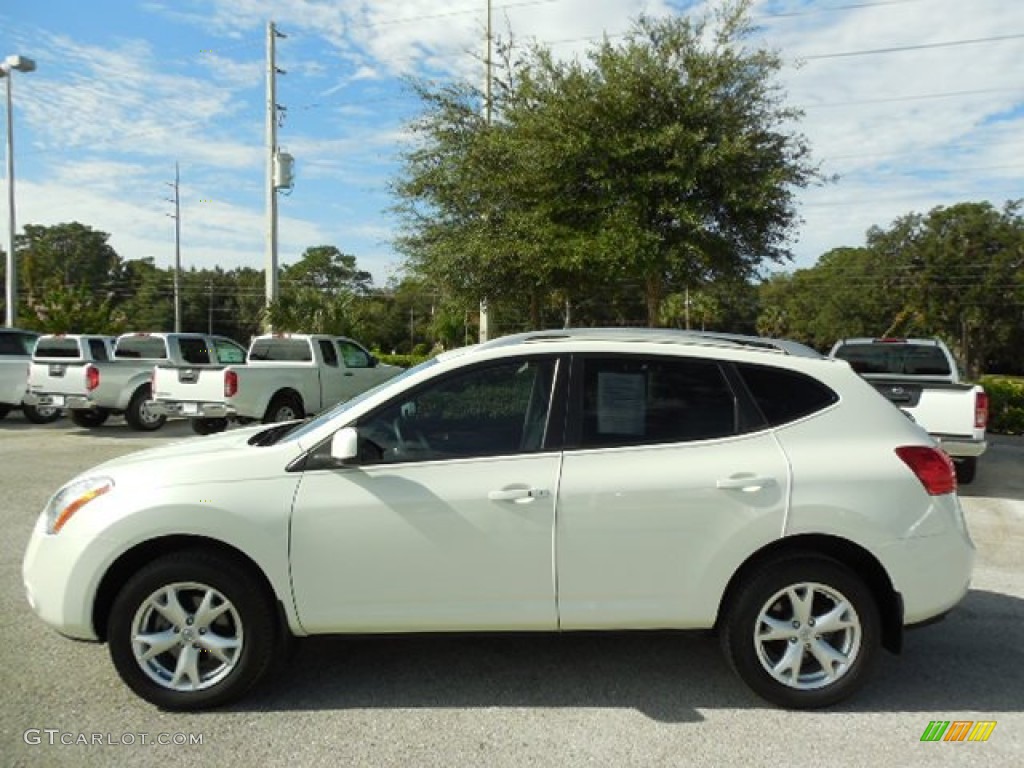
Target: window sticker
621	403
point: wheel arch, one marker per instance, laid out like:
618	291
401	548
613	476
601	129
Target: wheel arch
290	393
853	556
138	556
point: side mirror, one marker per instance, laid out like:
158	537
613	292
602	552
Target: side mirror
345	444
374	362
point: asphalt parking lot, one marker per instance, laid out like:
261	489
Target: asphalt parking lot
629	699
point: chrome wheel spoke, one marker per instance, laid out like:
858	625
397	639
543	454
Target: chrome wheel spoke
187	667
788	667
157	643
223	648
171	608
207	612
800	598
774	629
832	662
839	618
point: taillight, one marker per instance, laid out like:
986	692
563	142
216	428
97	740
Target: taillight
980	410
92	377
230	383
932	466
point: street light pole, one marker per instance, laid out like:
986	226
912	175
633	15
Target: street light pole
7	67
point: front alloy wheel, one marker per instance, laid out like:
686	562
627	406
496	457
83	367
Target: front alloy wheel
189	631
803	633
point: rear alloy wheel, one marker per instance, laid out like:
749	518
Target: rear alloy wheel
41	414
209	426
283	407
89	419
140	414
803	633
191	631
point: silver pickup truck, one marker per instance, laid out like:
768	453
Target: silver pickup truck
122	385
15	354
287	376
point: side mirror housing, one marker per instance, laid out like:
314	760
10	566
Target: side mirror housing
345	444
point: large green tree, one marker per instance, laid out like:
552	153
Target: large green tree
666	160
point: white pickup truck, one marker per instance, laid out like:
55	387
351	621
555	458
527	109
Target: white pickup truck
101	388
287	376
921	377
15	354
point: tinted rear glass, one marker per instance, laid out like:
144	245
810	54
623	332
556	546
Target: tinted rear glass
881	357
141	348
194	351
282	350
785	396
57	347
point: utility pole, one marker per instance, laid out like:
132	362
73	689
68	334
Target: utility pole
177	248
209	304
485	324
271	180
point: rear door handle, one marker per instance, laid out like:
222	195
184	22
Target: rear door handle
518	494
746	483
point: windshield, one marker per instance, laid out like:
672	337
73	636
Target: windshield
313	424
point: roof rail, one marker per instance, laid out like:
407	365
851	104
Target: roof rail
656	335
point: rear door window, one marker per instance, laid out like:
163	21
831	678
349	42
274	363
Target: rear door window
328	352
194	350
634	400
98	349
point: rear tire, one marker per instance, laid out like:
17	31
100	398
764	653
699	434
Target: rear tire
192	630
284	407
4	410
209	426
803	632
966	469
46	414
89	419
140	415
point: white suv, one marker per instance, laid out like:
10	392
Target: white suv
561	480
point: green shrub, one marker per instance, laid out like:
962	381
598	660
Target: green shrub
405	361
1005	404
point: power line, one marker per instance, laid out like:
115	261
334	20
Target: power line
902	48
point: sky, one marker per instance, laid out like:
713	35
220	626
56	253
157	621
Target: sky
912	104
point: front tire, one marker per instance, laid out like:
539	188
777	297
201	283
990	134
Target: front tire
803	632
191	631
45	414
89	419
140	415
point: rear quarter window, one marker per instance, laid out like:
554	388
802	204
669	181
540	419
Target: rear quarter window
784	396
281	350
141	348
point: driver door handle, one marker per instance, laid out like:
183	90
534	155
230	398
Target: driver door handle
517	494
748	483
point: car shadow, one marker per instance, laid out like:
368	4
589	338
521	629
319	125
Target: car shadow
973	661
1000	470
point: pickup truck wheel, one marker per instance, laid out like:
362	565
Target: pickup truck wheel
803	632
189	631
283	407
209	426
966	469
4	410
45	414
89	419
140	414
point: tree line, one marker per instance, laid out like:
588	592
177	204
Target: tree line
650	182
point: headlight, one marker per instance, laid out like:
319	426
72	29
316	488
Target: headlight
72	498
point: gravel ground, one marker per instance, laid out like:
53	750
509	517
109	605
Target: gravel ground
624	699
